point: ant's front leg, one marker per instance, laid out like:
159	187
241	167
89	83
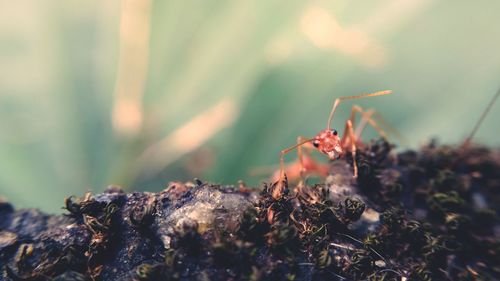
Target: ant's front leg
349	139
280	185
300	156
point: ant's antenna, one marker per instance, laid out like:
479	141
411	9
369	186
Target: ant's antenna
478	124
341	99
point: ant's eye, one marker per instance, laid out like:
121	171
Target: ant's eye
334	132
316	143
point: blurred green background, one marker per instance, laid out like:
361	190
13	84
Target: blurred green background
140	92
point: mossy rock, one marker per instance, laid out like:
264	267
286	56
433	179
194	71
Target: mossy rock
430	214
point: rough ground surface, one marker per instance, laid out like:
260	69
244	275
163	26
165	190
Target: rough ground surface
430	214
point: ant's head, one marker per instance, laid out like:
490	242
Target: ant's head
328	142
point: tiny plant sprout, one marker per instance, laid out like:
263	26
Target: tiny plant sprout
329	142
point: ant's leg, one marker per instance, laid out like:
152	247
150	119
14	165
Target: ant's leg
366	118
389	128
300	154
300	157
295	169
280	185
349	139
355	109
307	164
376	120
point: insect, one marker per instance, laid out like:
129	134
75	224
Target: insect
329	142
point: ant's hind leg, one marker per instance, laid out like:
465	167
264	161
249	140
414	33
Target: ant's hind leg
389	128
367	117
375	119
349	139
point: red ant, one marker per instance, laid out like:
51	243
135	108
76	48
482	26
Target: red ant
330	143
